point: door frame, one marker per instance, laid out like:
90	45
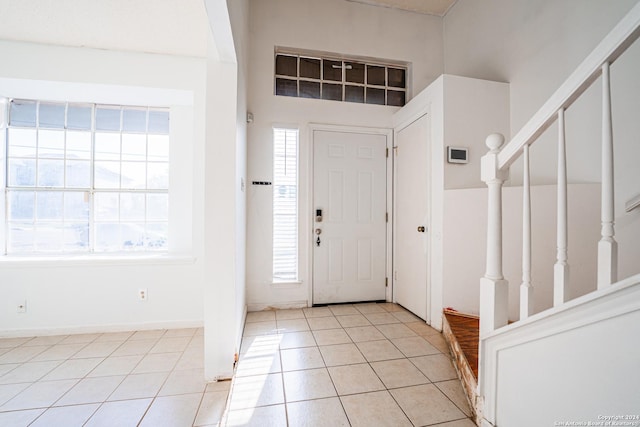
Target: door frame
430	101
428	222
308	223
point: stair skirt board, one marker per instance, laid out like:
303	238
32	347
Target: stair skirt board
460	331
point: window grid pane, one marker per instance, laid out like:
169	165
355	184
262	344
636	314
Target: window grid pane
285	205
336	79
47	221
86	178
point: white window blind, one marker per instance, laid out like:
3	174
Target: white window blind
285	205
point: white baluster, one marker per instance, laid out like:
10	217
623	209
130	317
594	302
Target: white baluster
526	290
493	287
561	268
607	246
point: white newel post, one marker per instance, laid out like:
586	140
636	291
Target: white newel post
607	246
493	287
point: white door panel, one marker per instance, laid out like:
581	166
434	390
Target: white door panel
411	209
349	254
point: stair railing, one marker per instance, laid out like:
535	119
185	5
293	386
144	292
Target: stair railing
495	171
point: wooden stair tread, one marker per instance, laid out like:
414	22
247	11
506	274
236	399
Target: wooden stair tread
466	330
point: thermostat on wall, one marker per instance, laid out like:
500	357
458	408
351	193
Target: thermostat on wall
457	155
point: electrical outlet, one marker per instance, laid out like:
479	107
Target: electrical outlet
142	294
22	307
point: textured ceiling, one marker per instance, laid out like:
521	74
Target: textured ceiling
428	7
178	27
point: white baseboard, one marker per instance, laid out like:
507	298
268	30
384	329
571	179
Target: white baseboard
244	322
93	329
277	306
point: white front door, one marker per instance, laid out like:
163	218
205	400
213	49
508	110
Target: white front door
349	209
410	288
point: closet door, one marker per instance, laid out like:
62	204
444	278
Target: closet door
411	213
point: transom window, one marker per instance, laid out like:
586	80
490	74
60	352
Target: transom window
308	76
86	178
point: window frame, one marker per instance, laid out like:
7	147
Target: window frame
343	82
90	191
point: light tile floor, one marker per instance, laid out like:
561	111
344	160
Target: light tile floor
342	365
146	378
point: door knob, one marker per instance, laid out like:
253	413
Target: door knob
421	229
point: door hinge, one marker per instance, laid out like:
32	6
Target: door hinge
387	155
386	282
386	217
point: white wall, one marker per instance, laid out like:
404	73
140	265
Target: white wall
473	109
332	26
598	368
465	231
460	111
532	45
224	207
626	93
221	246
96	294
579	364
349	28
430	102
239	15
172	27
535	46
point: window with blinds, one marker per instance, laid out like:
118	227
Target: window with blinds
86	178
285	205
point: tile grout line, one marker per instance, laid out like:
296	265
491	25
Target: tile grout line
154	398
383	384
329	373
284	390
430	381
76	381
225	411
47	373
101	404
450	400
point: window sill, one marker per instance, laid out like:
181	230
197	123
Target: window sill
95	259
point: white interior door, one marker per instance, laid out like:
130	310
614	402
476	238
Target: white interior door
349	194
410	285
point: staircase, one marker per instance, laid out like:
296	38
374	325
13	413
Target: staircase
575	362
462	334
